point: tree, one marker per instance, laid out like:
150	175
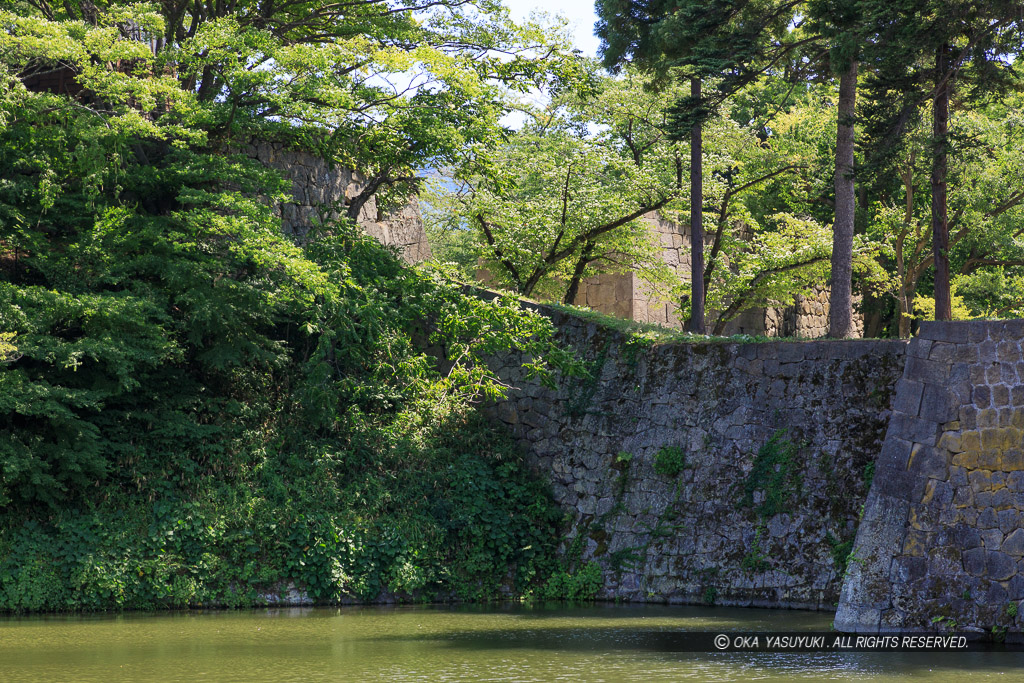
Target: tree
564	194
986	197
837	21
731	42
176	357
920	50
773	195
140	259
424	87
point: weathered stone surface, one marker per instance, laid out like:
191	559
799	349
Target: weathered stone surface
908	397
1014	543
628	295
321	191
941	529
964	495
938	331
674	536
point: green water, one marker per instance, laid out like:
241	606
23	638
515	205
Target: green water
602	643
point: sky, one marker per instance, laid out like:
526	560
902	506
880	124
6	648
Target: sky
579	12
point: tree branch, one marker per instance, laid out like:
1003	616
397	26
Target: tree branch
740	301
509	266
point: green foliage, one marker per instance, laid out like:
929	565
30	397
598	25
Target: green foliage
8	348
193	408
467	523
578	586
634	346
754	560
561	198
573	580
841	551
869	475
776	474
670	461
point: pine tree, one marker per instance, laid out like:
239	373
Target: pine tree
720	39
921	50
724	44
838	22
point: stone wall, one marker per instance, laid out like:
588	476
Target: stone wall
665	463
319	188
626	295
941	544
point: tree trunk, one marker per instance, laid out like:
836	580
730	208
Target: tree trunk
840	319
940	221
696	324
903	295
577	274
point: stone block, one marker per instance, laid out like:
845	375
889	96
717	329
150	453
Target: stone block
1008	520
1012	460
989	417
999	566
942	352
958	476
994	373
966	353
991	538
1014	329
1017	395
916	543
914	429
981	396
992	439
930	462
955	332
895	453
908	397
856	618
899	484
927	371
1014	543
977	331
919	348
964	497
966	537
1008	373
938	404
981	480
950	441
987	519
974	561
1008	351
790	352
507	413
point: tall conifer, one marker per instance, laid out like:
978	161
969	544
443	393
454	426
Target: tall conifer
921	51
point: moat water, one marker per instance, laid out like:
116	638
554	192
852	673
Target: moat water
469	643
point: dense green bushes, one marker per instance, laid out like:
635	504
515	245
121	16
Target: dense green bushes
465	522
198	411
209	415
193	408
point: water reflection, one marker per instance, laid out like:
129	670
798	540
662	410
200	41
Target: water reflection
471	643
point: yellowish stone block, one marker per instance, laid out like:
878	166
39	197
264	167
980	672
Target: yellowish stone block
950	441
970	442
